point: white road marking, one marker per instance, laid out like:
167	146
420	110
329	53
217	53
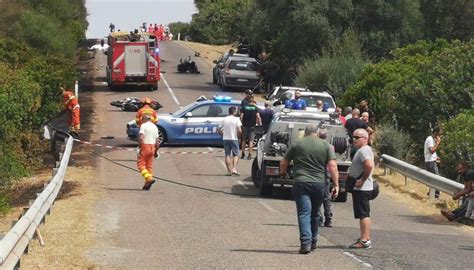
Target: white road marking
242	184
171	91
266	206
357	259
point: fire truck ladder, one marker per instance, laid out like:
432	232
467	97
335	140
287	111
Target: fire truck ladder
152	63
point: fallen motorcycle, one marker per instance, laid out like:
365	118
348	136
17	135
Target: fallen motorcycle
187	65
133	104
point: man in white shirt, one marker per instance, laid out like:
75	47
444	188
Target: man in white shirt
231	130
431	158
149	144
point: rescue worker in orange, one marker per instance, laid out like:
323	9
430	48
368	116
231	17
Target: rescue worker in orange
146	110
72	105
148	143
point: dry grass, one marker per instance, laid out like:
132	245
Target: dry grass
208	52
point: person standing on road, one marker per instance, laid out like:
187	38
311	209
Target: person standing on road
146	110
364	107
231	131
246	100
250	118
431	158
462	170
148	144
74	110
323	134
311	156
266	115
361	169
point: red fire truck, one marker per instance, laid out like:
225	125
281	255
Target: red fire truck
133	59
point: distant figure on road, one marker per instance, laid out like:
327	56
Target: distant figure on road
463	177
231	130
361	169
148	144
432	143
112	27
311	156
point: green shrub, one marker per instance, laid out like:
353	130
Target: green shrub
457	143
335	70
4	204
393	142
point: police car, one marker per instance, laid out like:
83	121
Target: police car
197	123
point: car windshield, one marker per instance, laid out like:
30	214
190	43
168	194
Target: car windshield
182	110
312	100
243	65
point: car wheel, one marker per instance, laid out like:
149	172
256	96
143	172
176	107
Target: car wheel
162	135
255	173
266	188
342	197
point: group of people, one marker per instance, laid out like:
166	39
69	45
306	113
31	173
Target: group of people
242	128
313	158
161	32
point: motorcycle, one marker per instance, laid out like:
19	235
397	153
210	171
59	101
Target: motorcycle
187	65
133	104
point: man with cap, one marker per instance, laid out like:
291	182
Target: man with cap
148	144
311	156
246	100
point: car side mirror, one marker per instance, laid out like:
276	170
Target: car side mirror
215	61
188	114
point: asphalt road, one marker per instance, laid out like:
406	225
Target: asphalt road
203	219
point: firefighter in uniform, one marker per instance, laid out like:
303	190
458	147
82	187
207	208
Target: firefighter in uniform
72	105
146	110
148	144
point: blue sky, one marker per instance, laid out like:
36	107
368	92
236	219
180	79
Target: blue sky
129	14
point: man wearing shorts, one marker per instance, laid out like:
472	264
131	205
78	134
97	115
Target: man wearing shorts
249	117
231	131
361	169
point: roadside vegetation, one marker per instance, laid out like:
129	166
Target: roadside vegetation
411	59
38	42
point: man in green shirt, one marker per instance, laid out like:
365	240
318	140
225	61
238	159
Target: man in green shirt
311	158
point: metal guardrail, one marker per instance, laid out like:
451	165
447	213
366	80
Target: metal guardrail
16	241
432	180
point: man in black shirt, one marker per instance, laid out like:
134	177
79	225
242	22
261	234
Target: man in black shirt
355	123
364	107
249	117
245	100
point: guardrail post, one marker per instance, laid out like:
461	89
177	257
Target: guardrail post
432	194
55	171
407	181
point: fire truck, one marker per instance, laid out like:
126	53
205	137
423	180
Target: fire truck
133	59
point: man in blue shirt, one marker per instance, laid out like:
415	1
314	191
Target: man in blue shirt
297	103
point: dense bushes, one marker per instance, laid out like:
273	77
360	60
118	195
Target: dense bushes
37	54
422	86
458	142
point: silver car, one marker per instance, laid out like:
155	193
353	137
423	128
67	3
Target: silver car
240	73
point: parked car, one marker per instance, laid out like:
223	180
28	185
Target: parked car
196	123
216	70
240	73
279	90
309	97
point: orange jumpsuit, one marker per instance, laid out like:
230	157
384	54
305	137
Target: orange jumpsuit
72	104
145	161
146	110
